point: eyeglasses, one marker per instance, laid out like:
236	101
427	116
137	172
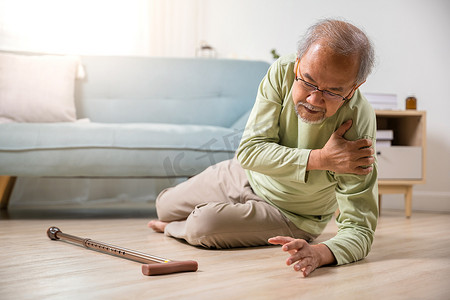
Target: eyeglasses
311	88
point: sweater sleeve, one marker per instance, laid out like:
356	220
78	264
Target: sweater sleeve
357	199
259	149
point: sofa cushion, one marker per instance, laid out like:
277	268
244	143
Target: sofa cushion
195	91
37	88
94	149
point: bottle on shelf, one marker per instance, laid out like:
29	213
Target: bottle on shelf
411	102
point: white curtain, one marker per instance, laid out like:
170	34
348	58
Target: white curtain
175	27
102	27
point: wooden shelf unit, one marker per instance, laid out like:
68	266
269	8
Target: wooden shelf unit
409	128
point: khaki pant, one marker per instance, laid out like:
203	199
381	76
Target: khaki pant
218	209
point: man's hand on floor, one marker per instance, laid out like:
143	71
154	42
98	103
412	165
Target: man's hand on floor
306	257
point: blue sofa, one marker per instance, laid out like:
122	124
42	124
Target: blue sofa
149	118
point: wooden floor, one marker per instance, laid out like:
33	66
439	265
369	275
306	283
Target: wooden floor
410	259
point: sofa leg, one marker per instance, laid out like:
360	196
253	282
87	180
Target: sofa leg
6	187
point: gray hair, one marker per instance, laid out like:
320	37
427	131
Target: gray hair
343	38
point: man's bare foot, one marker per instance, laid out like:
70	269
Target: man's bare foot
157	225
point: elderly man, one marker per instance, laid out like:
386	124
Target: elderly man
306	151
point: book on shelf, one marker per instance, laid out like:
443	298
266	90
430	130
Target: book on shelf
387	134
382	143
382	101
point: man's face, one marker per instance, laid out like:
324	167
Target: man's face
329	71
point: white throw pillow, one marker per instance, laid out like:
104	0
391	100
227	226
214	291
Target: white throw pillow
37	88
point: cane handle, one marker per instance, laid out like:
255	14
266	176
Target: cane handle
169	267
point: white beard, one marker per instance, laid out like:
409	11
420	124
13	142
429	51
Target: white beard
309	106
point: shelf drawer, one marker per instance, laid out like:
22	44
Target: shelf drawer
399	162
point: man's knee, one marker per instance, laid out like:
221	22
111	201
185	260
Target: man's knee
204	226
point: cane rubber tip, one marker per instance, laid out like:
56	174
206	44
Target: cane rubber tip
52	231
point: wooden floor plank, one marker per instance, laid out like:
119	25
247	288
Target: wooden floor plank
410	259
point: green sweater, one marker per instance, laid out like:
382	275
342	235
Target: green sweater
275	148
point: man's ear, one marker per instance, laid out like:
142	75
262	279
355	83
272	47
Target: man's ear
297	60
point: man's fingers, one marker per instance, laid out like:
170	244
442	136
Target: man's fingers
366	152
307	270
365	161
301	265
280	240
295	244
363	143
362	171
343	128
288	243
303	255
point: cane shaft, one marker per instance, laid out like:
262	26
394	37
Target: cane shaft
111	249
124	252
71	238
